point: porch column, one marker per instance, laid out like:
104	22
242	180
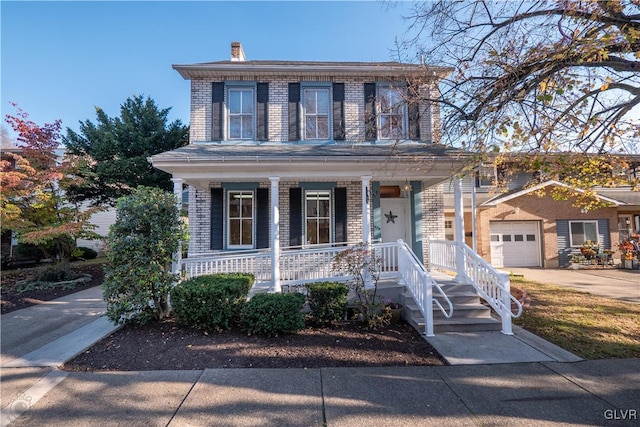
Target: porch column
177	192
275	235
366	226
459	229
366	210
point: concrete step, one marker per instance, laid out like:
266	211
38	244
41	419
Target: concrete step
458	325
468	311
456	298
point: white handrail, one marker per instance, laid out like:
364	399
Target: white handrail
493	286
420	284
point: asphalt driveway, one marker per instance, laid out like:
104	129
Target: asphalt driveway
612	283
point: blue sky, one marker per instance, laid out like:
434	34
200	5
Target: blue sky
62	59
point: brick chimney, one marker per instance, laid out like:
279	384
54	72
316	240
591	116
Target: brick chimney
237	53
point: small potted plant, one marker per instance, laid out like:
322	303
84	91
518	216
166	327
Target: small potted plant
629	259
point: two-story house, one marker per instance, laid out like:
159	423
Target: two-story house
338	148
290	162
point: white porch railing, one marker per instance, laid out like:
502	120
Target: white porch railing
421	285
492	286
306	265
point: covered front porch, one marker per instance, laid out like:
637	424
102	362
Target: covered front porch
282	213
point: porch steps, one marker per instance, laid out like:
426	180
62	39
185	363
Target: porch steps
469	315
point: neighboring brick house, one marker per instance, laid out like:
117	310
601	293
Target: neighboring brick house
320	152
524	226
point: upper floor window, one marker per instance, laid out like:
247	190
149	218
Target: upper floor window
240	223
485	176
391	113
240	113
581	231
316	113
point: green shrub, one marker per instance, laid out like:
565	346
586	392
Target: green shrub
85	253
211	301
328	300
142	241
55	274
273	314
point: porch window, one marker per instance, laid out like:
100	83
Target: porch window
240	228
581	231
241	113
316	113
318	217
391	113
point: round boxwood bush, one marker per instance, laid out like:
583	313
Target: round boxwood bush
328	301
273	314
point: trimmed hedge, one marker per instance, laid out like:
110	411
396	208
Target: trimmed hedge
85	253
273	314
328	301
212	301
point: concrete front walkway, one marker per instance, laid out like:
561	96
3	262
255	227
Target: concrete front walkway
611	283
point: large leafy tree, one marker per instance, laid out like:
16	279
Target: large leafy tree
33	200
558	80
112	153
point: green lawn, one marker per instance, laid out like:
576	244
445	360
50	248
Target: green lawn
589	326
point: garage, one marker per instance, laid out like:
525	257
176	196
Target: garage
515	243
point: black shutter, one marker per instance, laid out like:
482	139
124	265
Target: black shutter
370	130
414	113
262	218
262	123
340	214
295	216
338	112
294	111
217	101
217	218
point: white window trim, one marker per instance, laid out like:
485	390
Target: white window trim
303	124
253	220
331	224
227	116
571	244
404	109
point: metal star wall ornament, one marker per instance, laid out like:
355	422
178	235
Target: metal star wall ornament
391	217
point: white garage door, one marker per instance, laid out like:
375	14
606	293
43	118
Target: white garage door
515	244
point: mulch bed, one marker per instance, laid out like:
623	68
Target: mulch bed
11	300
167	345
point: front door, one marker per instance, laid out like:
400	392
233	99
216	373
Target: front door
395	220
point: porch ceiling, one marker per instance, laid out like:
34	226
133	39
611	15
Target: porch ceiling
199	164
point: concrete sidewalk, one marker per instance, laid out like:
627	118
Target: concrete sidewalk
605	392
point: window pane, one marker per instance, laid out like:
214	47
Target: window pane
531	237
506	237
247	127
323	208
323	231
234	207
310	101
323	102
312	208
323	128
235	125
235	101
310	128
495	238
234	232
577	233
518	238
247	102
312	232
247	232
247	206
590	231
